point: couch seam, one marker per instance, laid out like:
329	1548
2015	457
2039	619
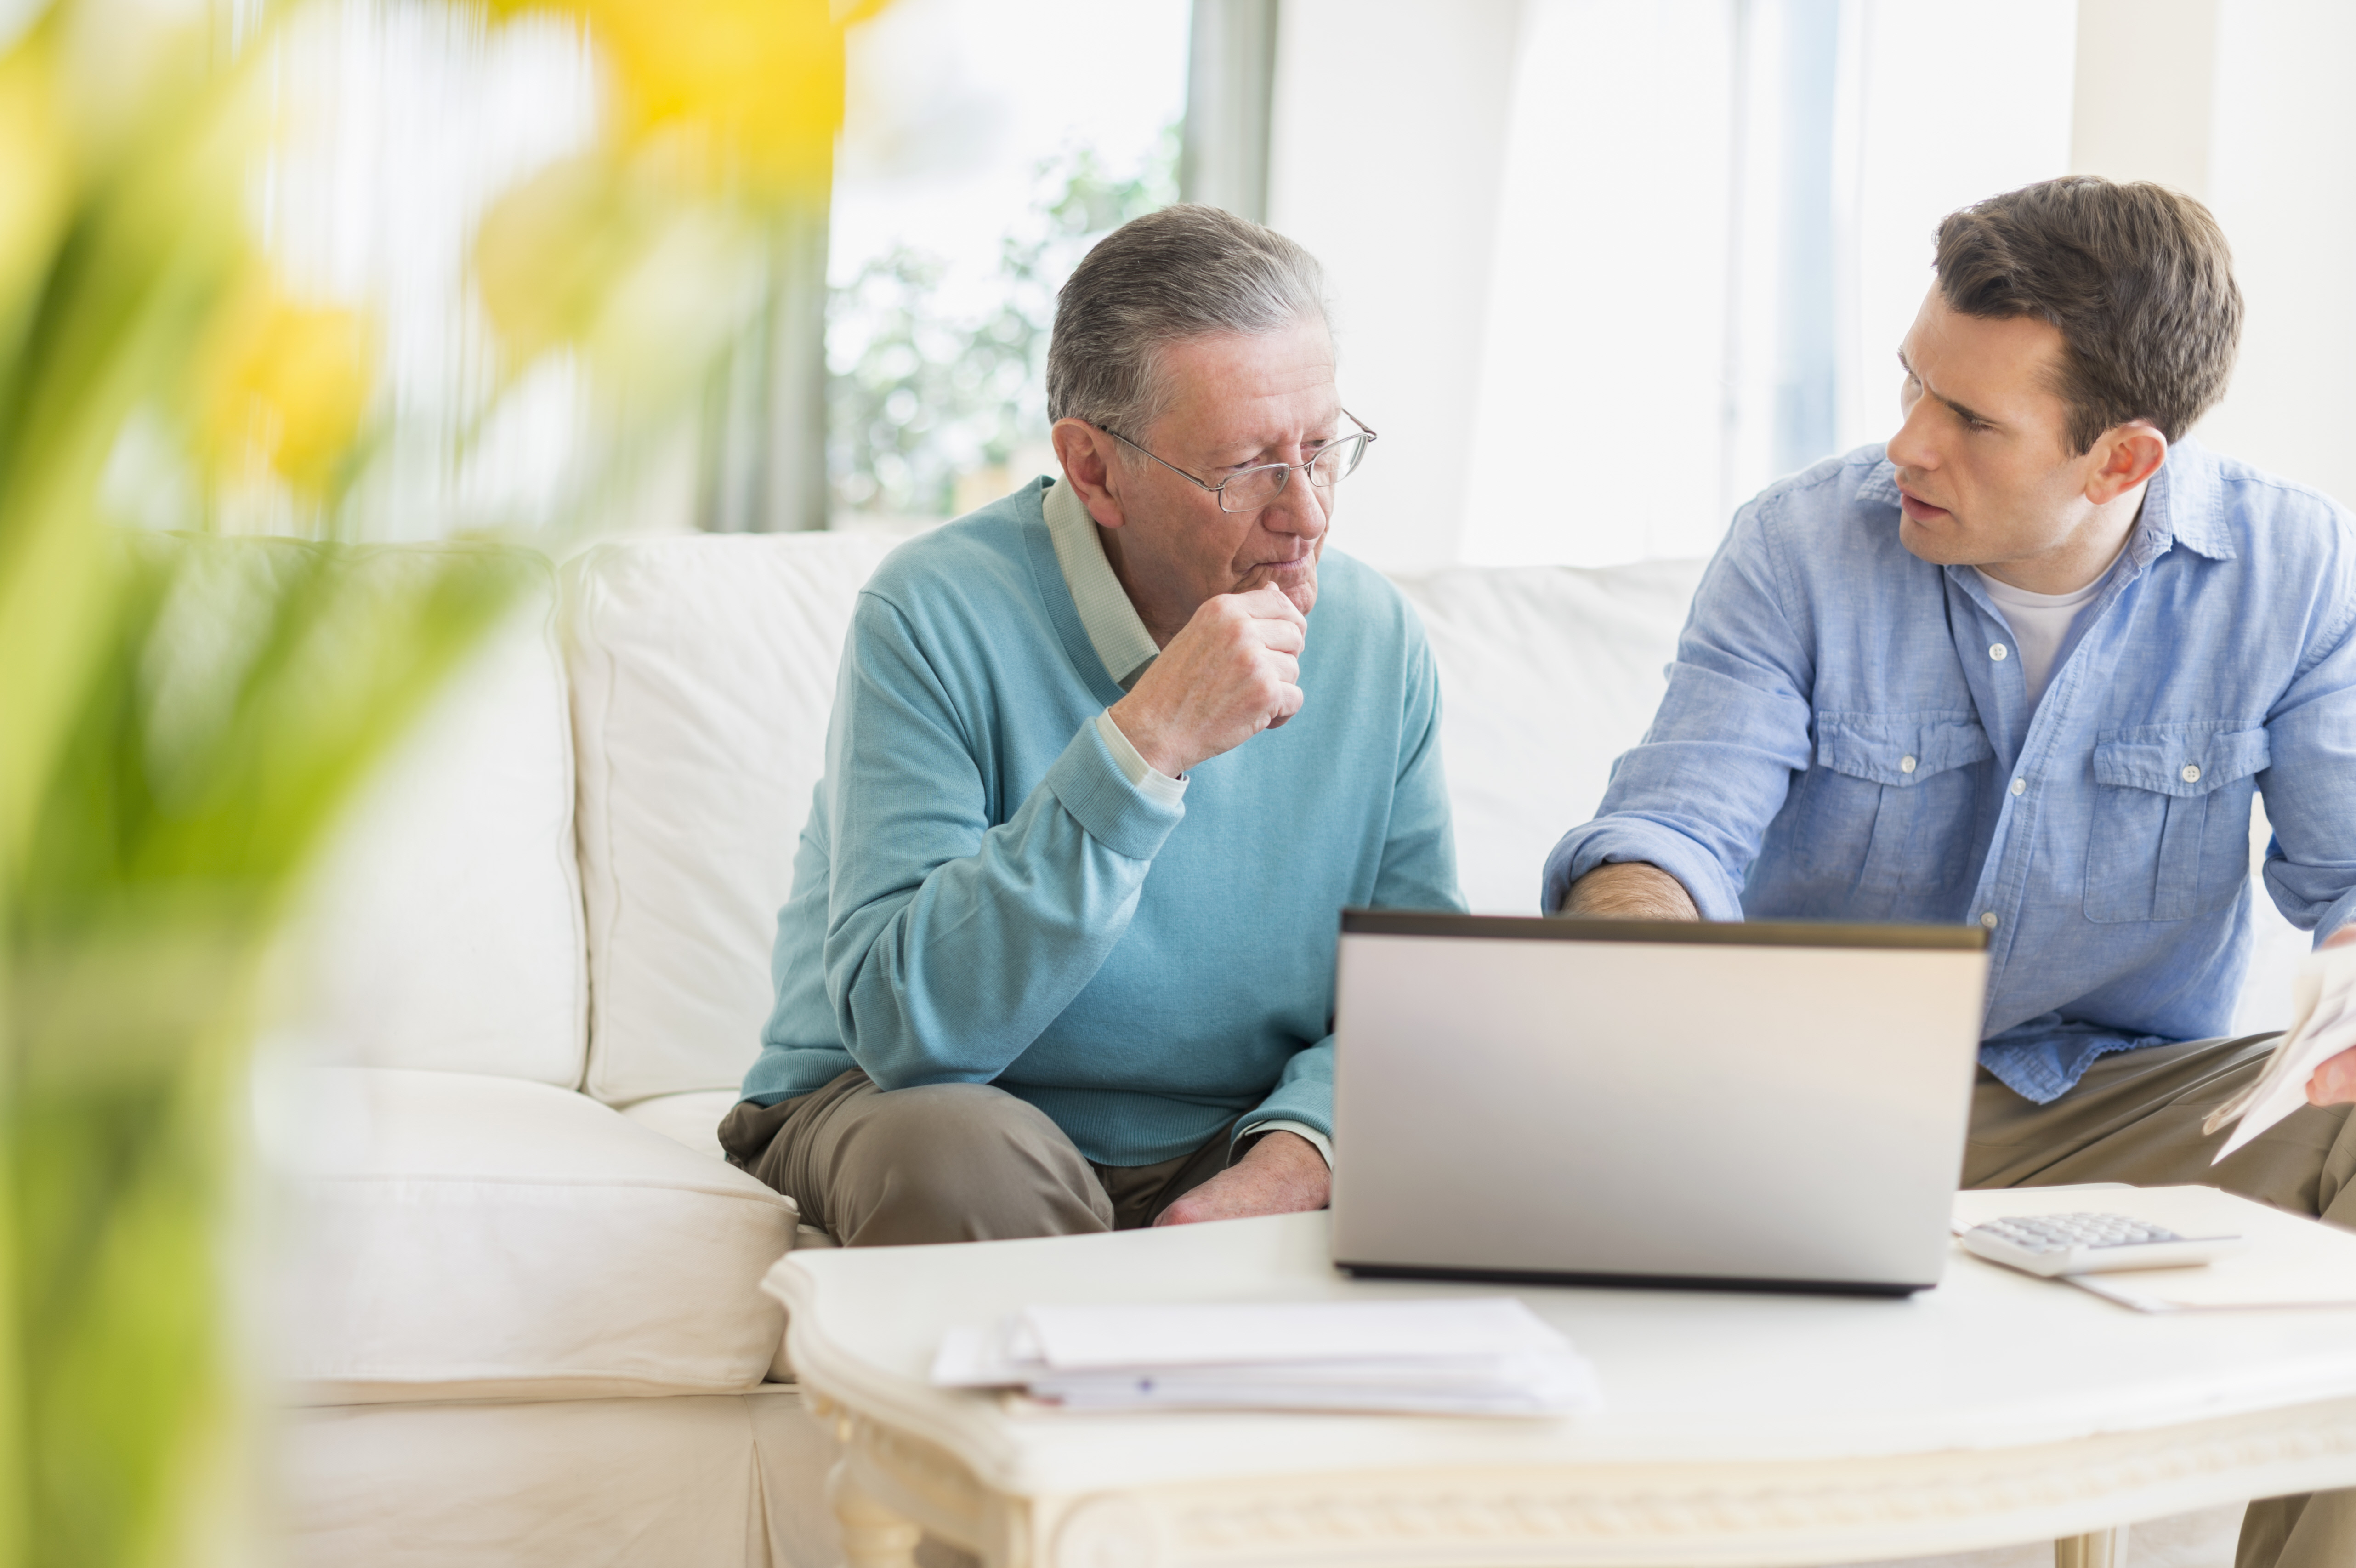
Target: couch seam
772	1200
567	847
601	955
385	1379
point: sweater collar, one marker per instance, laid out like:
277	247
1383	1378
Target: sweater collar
1114	628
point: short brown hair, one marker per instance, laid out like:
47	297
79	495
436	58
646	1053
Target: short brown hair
2138	277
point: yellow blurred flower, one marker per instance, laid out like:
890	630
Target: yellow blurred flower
752	89
551	250
616	259
285	384
762	79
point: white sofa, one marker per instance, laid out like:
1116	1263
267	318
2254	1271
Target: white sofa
524	1328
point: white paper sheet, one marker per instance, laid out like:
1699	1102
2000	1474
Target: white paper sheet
2323	1024
1489	1356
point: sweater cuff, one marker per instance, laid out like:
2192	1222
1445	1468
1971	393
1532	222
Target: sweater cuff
1302	1130
1141	775
1089	784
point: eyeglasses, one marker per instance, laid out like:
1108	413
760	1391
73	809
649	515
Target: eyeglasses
1255	487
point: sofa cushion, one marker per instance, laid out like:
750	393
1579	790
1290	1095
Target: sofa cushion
690	1120
468	1237
702	673
444	928
1547	674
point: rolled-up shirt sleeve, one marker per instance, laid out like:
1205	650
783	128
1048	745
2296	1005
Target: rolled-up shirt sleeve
2310	777
1695	796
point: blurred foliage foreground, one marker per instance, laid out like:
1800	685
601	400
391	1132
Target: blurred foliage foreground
181	719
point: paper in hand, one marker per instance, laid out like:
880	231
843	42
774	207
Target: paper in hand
2323	1024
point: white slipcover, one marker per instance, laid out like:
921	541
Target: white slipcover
698	1481
1545	674
483	1237
690	1120
444	931
702	673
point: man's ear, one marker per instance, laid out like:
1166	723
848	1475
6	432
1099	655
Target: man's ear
1091	468
2128	455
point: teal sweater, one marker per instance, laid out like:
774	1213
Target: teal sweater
981	897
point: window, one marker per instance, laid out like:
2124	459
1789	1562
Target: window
987	143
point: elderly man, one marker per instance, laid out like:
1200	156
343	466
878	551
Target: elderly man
1059	954
2026	666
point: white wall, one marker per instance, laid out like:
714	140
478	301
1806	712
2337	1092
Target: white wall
1607	288
2144	99
1959	100
2244	104
2282	172
1389	146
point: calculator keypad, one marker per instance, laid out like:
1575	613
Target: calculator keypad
2059	1232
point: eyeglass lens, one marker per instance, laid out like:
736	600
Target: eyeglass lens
1255	487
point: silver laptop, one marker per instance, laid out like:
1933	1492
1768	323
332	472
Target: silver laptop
1763	1106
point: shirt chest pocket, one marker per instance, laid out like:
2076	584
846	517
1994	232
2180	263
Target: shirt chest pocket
1889	804
2170	836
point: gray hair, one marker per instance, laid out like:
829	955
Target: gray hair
1188	271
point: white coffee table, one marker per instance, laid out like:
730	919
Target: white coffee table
1741	1429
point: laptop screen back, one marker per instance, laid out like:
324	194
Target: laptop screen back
1776	1105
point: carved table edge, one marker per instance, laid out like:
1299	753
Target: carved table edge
1758	1514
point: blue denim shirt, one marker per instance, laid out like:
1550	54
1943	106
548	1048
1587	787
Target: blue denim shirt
1845	736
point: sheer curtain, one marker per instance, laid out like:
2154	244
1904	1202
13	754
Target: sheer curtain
399	122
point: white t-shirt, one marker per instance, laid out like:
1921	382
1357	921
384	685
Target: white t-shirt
2041	625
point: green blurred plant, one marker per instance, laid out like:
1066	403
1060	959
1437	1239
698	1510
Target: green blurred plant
919	397
181	719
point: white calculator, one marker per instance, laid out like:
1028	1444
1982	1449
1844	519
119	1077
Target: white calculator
2051	1244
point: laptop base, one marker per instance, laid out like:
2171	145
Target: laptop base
1627	1281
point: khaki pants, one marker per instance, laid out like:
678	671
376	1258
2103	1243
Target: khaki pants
2135	1117
950	1162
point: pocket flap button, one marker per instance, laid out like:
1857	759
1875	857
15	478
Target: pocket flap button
1905	765
2191	774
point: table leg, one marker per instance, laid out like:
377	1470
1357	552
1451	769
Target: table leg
2102	1549
873	1535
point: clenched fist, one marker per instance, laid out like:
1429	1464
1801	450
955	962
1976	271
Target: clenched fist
1232	672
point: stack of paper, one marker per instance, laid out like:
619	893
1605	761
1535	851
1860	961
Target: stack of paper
2323	1024
1490	1355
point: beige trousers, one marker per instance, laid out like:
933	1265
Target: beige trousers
950	1162
2135	1117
